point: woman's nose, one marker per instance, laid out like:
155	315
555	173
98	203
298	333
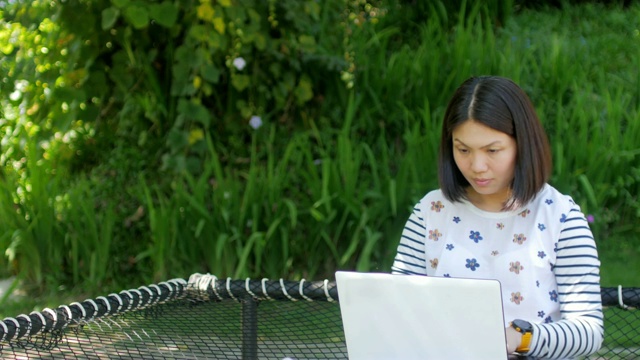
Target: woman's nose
478	164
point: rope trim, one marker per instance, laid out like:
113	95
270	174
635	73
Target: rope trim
54	317
90	310
47	320
95	309
157	294
284	291
28	320
248	288
620	299
127	293
149	300
106	303
39	315
301	291
16	326
83	312
69	314
5	330
264	288
214	281
202	283
168	285
326	291
118	299
229	289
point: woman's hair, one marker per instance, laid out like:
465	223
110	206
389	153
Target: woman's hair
502	105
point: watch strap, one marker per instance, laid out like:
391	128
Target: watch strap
525	343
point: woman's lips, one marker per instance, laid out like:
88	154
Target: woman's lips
482	182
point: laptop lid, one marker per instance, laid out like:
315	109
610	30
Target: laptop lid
389	316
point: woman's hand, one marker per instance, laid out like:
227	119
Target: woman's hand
514	338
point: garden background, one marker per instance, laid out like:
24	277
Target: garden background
145	140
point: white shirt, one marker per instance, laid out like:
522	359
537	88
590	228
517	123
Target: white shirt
543	254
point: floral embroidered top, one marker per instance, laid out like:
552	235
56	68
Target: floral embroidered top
543	254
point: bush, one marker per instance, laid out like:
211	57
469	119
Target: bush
146	140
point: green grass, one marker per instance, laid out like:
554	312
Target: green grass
619	258
307	203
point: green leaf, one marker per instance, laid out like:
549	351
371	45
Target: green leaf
120	3
240	82
137	15
194	111
245	110
6	48
260	41
312	8
164	14
109	17
303	91
177	139
211	73
307	42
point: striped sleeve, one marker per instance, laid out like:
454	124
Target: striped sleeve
581	330
410	258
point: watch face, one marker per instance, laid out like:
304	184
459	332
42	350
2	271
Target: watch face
524	326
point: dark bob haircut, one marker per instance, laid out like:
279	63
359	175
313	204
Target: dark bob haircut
502	105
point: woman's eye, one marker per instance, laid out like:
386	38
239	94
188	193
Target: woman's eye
463	151
493	150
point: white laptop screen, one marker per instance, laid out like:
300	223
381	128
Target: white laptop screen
389	316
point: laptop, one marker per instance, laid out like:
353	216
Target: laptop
388	316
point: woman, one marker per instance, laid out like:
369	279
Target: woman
495	217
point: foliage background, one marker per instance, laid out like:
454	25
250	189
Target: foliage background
143	140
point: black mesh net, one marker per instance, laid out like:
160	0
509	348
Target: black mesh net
209	318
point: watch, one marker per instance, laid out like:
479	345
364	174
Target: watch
526	329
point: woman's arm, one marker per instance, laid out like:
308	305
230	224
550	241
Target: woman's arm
410	258
577	271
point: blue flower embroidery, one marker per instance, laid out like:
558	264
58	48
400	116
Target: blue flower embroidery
553	296
446	275
450	246
563	218
541	314
541	227
537	283
548	320
456	219
549	201
472	264
541	254
475	236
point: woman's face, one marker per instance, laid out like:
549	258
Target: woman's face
487	159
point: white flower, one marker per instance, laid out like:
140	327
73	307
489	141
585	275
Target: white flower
255	122
239	63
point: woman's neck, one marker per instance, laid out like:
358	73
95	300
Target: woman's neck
490	202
